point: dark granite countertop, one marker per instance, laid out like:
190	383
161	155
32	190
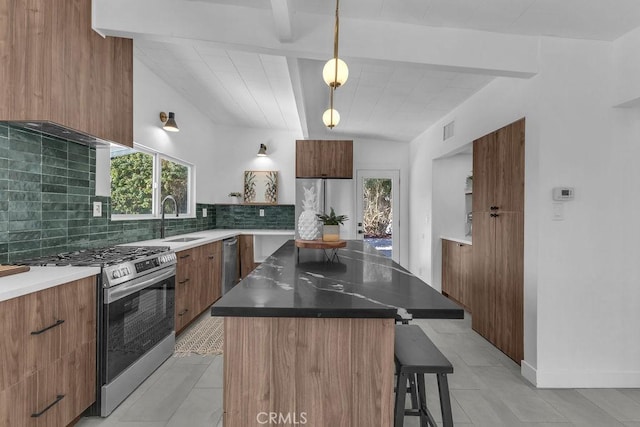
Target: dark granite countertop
362	284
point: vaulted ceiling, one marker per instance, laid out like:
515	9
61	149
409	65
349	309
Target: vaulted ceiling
258	63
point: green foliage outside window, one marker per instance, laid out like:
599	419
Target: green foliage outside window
378	213
132	184
175	181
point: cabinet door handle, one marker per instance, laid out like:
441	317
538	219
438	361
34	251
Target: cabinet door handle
58	323
58	399
185	256
494	208
183	312
494	215
211	256
183	281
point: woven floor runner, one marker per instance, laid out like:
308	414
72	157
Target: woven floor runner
204	337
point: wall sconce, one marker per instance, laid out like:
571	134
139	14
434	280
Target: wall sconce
169	122
262	152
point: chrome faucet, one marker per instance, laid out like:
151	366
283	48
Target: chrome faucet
175	205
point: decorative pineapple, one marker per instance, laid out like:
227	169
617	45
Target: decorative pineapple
308	224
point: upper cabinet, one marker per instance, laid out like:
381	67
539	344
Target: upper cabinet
55	68
324	159
498	170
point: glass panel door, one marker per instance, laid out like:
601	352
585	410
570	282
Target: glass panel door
378	210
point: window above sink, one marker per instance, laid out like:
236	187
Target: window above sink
141	177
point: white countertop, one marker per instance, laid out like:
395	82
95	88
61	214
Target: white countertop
39	278
463	240
208	236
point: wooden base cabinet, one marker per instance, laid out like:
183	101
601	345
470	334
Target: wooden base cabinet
456	272
198	282
498	238
48	366
245	255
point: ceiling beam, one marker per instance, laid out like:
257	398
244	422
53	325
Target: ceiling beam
298	94
282	17
250	29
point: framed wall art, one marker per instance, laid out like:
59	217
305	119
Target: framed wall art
261	187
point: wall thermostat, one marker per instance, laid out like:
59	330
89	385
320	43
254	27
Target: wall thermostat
563	193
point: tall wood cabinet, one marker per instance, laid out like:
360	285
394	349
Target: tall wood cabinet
498	238
55	68
198	282
324	159
48	355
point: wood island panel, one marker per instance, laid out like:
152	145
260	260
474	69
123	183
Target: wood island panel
329	371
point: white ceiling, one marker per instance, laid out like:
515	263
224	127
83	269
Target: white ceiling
250	83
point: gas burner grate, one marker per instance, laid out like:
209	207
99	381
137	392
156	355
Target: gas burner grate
98	257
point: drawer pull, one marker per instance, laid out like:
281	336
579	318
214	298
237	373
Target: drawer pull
183	312
58	399
211	256
58	323
183	281
185	256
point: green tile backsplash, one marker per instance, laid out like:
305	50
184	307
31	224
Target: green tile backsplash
47	187
276	217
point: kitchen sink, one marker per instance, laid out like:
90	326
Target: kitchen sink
183	239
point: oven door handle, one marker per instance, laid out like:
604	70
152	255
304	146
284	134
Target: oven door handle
126	289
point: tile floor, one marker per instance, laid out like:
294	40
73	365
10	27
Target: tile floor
486	390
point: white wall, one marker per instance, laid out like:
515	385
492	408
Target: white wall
221	154
449	219
581	274
236	152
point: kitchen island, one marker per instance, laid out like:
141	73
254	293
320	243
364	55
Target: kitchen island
311	342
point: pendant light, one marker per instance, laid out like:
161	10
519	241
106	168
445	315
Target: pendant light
335	73
331	118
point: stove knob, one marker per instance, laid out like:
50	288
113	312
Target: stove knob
125	271
115	274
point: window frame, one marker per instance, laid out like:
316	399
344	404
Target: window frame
156	189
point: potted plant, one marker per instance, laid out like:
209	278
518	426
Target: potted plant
235	197
331	225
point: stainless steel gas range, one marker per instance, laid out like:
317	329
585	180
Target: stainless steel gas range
136	295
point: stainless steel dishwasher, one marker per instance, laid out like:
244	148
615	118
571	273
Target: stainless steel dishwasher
229	264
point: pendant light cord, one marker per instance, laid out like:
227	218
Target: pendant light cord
335	59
